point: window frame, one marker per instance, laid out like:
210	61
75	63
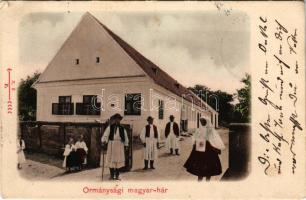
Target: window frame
133	101
86	107
63	107
161	109
66	97
90	97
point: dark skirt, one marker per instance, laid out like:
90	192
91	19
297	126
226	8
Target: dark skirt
204	163
81	153
72	159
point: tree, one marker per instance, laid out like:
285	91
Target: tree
228	111
242	109
27	98
223	99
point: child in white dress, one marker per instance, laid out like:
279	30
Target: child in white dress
20	153
81	149
70	157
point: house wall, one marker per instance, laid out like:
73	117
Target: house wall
113	91
181	109
108	91
172	106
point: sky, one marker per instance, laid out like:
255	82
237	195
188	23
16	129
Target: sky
207	48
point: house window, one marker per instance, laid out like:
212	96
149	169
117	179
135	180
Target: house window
132	104
160	109
64	99
89	106
63	107
77	61
97	59
89	99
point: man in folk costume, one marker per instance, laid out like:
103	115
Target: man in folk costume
172	133
150	139
115	136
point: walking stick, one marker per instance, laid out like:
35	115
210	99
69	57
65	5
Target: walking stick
102	149
103	162
103	145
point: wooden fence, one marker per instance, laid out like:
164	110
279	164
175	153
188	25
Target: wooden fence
51	137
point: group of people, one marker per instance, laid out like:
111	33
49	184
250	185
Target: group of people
75	154
203	161
150	139
116	139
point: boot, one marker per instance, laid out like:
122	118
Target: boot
146	164
117	174
112	173
171	151
176	152
152	164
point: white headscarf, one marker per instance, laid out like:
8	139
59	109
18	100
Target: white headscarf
209	133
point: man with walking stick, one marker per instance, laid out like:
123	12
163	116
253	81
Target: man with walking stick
116	139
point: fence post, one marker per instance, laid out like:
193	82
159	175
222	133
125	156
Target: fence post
95	151
131	147
64	129
62	133
39	135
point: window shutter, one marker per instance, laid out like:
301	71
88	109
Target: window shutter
54	108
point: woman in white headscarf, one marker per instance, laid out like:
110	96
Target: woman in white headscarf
204	160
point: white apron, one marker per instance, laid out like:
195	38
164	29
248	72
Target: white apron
115	153
172	141
150	151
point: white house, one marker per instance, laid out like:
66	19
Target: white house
95	68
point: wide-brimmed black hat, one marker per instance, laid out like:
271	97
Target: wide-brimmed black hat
116	116
149	118
171	116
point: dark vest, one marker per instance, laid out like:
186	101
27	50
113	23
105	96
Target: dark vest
176	129
148	131
112	132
